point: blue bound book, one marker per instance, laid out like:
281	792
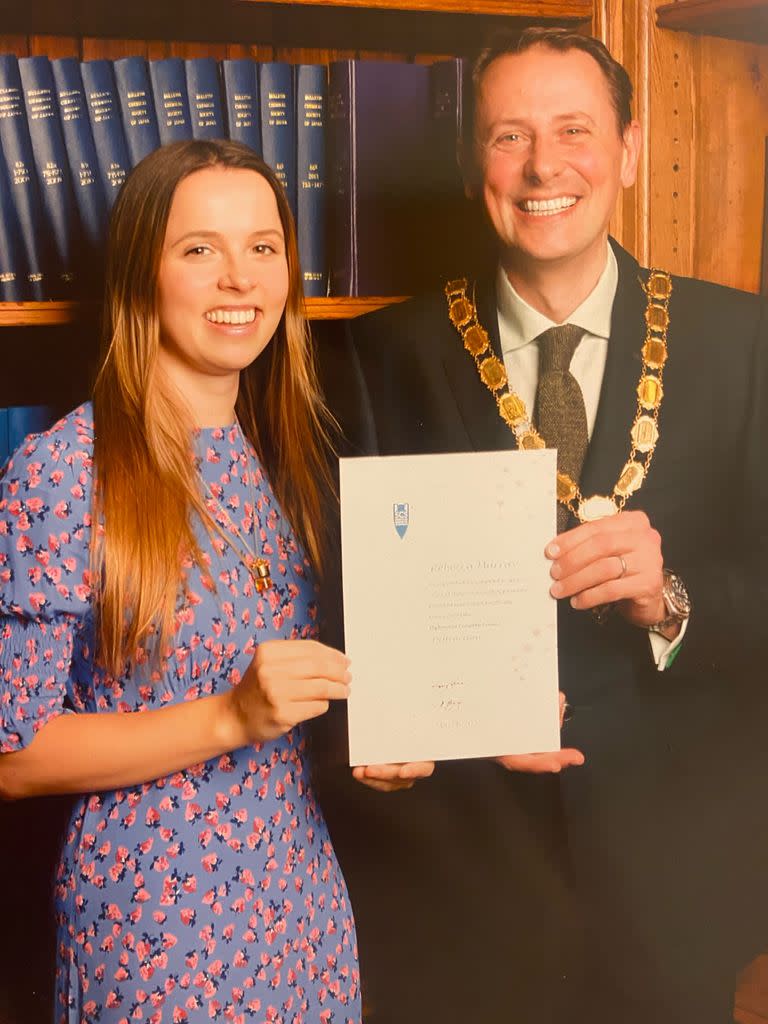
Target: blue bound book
311	89
446	209
17	149
241	98
106	125
204	92
137	107
14	283
81	150
52	166
377	117
24	420
169	86
278	124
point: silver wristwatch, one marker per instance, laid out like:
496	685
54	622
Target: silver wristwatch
676	601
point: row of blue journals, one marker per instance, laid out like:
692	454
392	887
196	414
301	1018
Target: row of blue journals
16	422
349	141
71	131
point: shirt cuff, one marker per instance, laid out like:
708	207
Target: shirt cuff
665	651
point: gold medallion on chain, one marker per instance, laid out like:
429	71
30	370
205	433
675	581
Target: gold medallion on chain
644	432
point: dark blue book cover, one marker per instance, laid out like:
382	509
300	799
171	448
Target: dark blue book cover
241	99
5	450
27	419
169	87
14	283
204	92
52	167
137	107
278	123
81	150
22	178
311	97
377	116
446	210
106	125
446	78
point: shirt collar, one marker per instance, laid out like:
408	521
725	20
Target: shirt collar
520	324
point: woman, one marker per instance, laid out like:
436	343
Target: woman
158	610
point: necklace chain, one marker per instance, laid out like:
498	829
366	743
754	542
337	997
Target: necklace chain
644	432
258	567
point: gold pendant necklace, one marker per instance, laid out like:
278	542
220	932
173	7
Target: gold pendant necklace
258	567
644	433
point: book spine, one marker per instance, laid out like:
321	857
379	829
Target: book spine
342	185
137	107
81	150
204	91
14	283
311	99
50	156
169	87
278	124
241	97
386	123
445	97
17	149
106	125
444	205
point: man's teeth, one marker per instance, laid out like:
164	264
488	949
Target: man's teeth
546	207
231	316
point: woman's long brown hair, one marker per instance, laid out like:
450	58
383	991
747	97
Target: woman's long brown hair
147	492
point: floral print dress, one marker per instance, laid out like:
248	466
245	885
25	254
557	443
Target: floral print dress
213	893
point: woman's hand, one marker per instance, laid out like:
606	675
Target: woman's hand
387	778
538	764
287	682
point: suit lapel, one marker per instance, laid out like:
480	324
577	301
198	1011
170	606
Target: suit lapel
610	443
477	408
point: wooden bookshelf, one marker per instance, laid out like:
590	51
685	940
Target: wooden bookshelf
348	308
538	9
56	314
746	20
314	31
390	26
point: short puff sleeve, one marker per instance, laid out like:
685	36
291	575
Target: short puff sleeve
45	592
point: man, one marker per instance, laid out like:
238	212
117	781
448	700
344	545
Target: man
626	889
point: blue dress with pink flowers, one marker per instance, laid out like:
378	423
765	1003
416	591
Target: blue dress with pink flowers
212	893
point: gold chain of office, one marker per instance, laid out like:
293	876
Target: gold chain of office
644	433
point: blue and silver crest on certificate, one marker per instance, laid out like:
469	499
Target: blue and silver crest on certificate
400	516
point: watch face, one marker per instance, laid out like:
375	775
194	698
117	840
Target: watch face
676	596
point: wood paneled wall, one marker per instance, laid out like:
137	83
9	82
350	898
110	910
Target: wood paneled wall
697	208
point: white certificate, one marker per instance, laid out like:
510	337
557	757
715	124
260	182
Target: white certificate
449	623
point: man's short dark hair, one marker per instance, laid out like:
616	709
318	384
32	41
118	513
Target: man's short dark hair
561	40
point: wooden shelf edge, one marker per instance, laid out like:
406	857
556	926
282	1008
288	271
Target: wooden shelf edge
348	308
52	314
43	314
746	20
539	9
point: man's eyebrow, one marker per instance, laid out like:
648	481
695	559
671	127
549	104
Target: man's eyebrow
575	114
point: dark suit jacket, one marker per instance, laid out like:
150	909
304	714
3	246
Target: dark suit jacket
627	890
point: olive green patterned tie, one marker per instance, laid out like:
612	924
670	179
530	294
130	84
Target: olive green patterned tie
559	413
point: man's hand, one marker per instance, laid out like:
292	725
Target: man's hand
388	778
539	764
613	560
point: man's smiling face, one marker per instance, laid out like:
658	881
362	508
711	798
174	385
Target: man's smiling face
550	159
